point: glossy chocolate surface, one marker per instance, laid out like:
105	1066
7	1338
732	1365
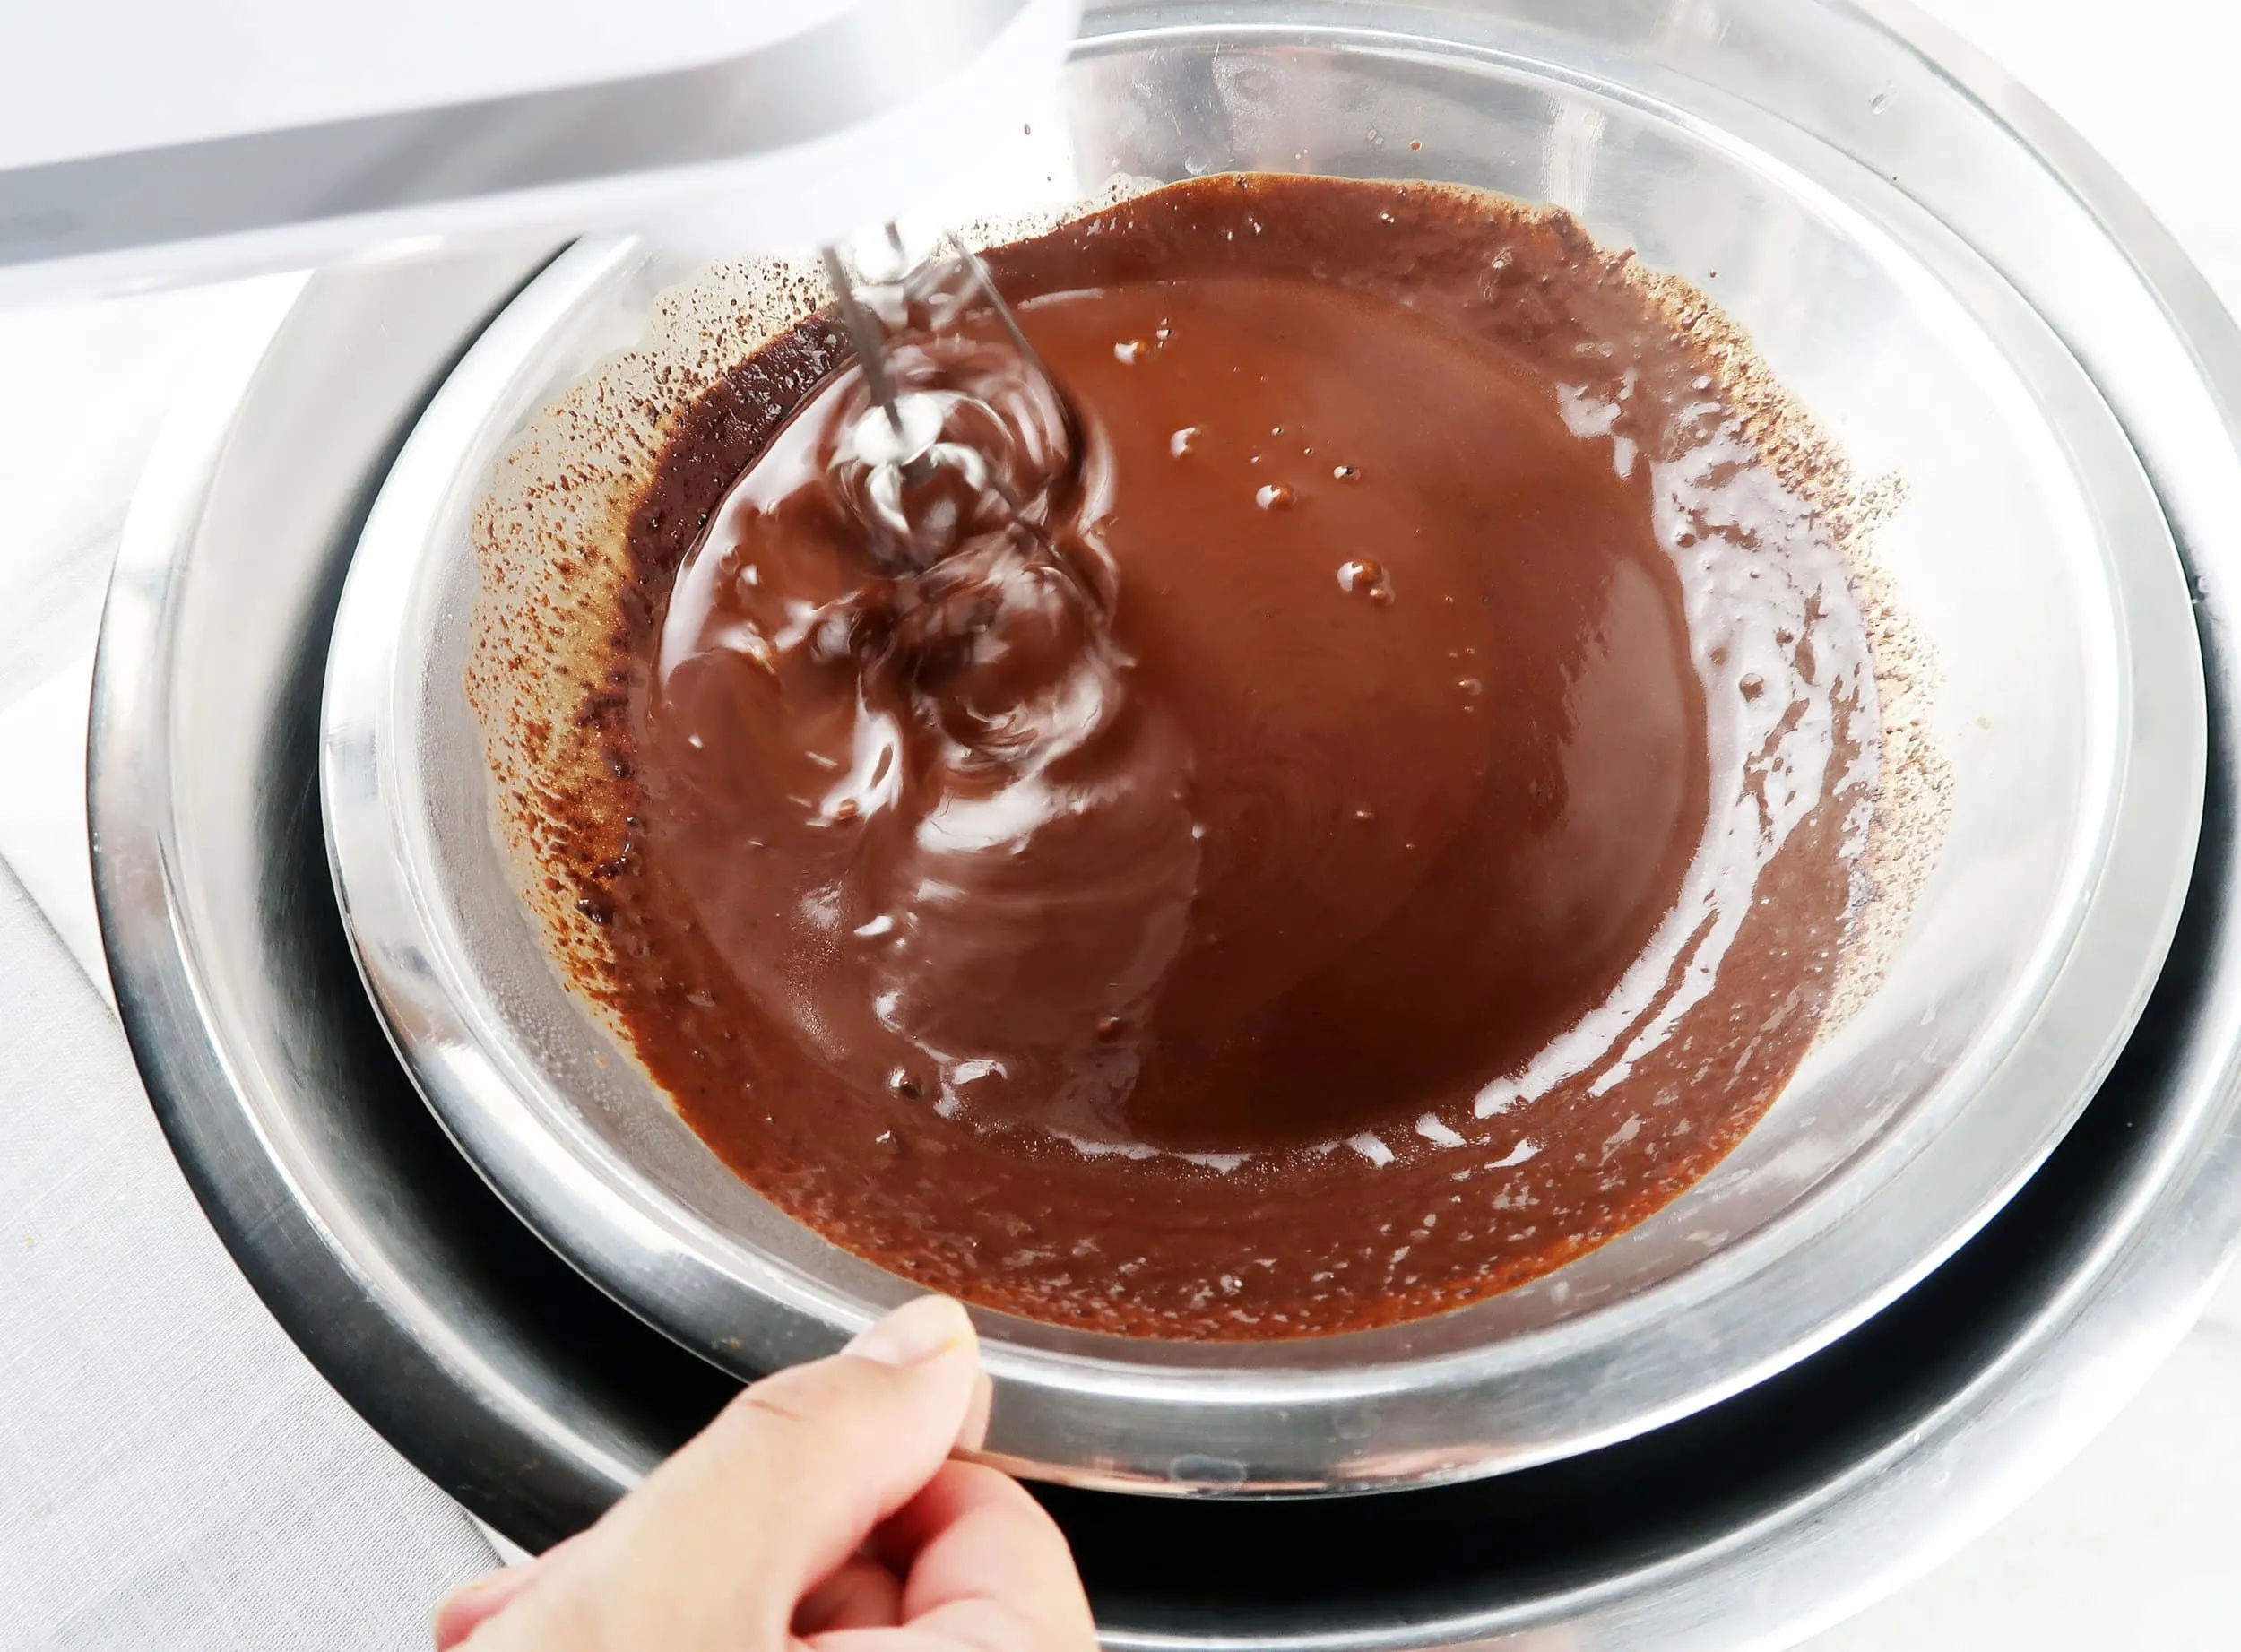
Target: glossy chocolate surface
1386	829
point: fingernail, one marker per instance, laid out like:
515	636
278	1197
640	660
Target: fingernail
973	1433
914	1333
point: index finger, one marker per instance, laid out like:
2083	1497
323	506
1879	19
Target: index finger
718	1544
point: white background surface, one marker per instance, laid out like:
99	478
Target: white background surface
2137	1544
269	1517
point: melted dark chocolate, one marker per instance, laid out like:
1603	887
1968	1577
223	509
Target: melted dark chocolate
1271	899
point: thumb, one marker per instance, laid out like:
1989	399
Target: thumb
718	1544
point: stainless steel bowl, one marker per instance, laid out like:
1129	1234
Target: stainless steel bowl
2032	548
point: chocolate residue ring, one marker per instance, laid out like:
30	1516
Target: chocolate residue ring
1450	934
1642	374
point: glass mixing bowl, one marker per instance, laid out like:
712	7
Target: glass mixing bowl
2029	549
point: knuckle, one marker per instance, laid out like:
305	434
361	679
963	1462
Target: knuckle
780	1408
823	1401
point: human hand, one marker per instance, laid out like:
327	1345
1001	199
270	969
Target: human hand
819	1512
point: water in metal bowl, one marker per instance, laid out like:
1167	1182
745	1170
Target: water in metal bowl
2029	549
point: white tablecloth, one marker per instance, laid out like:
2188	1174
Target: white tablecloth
174	1475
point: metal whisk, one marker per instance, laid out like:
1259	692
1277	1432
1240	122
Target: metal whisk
1002	426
